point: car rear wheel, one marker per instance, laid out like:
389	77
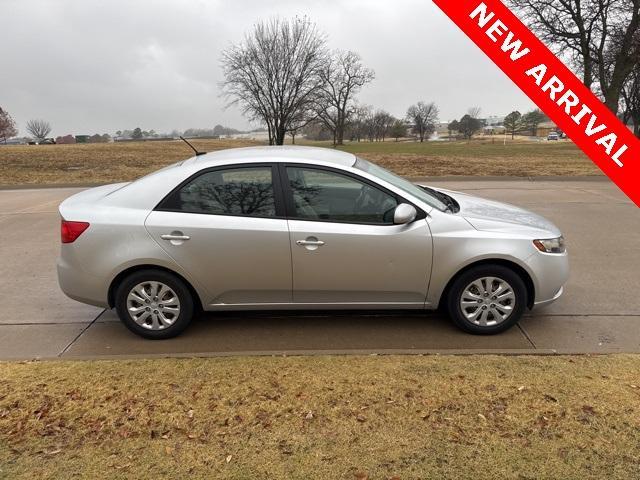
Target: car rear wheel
487	299
154	304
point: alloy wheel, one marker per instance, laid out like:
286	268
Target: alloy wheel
487	301
153	305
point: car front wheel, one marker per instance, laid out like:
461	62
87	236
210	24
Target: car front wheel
154	304
487	299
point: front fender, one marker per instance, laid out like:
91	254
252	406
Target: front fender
459	247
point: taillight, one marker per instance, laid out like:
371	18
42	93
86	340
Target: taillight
69	231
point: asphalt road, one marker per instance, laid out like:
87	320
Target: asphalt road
599	313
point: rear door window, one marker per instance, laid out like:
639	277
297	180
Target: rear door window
241	191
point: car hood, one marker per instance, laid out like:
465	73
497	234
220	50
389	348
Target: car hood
489	215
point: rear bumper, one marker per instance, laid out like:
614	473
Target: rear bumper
80	286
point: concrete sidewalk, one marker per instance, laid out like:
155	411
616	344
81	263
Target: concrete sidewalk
599	313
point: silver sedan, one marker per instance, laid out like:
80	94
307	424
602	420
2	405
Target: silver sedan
301	228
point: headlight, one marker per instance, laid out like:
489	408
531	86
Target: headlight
550	245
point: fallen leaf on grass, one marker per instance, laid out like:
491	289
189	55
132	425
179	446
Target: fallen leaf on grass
285	447
229	457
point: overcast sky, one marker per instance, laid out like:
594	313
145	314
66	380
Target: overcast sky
92	66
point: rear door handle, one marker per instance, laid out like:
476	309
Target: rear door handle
171	236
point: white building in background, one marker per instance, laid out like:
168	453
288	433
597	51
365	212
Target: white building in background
493	130
494	120
258	136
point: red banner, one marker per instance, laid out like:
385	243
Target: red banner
552	86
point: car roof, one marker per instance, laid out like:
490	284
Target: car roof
281	153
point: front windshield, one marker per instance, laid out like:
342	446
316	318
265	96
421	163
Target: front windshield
401	183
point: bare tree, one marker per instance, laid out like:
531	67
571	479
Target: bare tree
343	75
382	122
398	129
619	51
631	101
39	129
369	120
358	125
423	116
7	126
598	37
298	121
567	26
474	112
274	74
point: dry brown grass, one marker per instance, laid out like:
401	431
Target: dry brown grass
96	163
482	157
323	417
114	162
415	165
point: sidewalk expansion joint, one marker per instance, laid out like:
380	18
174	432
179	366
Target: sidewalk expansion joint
526	335
80	334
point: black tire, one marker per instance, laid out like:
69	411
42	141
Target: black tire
454	309
172	281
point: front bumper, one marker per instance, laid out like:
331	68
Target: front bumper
542	303
550	273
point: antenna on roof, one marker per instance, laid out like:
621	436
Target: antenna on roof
192	147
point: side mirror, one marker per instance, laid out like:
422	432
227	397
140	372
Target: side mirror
404	213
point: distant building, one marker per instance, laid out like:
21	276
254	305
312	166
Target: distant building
545	128
494	130
67	139
261	136
494	120
14	141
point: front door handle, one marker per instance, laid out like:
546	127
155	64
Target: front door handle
317	243
310	243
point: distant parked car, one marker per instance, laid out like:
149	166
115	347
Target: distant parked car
302	228
553	136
